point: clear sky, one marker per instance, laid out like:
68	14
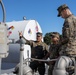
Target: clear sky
43	11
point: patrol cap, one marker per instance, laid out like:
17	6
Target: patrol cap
55	34
39	34
60	8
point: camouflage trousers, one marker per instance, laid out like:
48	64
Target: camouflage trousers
50	70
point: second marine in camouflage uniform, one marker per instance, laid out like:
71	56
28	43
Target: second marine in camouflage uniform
54	50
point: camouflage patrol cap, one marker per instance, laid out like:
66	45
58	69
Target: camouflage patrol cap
39	34
55	34
60	8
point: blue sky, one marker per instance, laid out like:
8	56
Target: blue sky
43	11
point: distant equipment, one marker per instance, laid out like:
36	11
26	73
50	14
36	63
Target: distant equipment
24	18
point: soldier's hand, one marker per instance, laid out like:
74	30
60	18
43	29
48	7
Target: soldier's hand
20	34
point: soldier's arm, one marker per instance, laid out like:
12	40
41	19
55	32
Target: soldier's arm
64	41
47	53
24	39
66	32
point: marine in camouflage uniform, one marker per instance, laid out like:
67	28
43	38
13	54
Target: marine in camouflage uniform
68	50
39	50
54	50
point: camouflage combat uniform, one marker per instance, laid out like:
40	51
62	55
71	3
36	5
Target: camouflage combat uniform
37	46
54	53
68	50
69	33
39	51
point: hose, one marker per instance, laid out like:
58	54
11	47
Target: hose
42	60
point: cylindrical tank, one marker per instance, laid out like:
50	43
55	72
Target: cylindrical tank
29	29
